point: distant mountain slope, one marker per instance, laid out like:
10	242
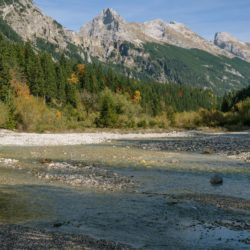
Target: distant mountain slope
194	67
233	45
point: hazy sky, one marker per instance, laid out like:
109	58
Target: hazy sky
203	16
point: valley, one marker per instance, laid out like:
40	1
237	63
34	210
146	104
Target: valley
124	133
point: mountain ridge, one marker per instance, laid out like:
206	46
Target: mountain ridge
31	23
157	31
158	50
233	45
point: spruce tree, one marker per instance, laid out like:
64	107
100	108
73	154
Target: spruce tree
49	73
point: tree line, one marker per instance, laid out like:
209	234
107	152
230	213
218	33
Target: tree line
40	93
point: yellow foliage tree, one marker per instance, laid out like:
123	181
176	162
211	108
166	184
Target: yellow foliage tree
20	88
81	69
73	79
58	115
137	97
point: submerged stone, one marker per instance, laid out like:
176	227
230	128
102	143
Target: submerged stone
45	161
216	180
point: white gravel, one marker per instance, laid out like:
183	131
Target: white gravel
9	138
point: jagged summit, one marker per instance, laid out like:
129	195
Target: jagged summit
110	16
109	28
225	36
108	20
233	45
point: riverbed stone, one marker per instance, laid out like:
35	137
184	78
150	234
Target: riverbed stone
216	180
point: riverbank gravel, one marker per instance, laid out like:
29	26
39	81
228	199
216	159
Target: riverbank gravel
10	138
16	237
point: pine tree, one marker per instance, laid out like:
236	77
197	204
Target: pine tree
49	74
108	116
61	95
5	88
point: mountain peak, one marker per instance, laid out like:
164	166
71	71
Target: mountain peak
233	45
109	16
110	11
107	23
225	36
156	22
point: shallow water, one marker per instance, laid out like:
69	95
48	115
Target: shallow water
143	216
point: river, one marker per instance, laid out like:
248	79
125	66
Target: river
164	199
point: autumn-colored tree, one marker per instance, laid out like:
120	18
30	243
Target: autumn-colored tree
73	79
81	69
137	97
21	89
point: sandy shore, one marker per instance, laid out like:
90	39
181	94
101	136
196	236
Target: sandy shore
9	138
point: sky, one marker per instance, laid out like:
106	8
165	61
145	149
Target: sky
205	17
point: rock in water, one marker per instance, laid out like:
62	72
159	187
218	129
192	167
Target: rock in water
45	161
216	180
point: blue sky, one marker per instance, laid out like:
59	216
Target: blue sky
203	16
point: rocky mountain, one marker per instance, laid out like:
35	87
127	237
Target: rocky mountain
155	50
233	45
106	32
29	22
163	51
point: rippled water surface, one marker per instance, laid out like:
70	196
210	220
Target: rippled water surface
143	216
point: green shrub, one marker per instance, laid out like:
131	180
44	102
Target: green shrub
187	119
212	118
117	110
108	113
243	110
142	124
33	115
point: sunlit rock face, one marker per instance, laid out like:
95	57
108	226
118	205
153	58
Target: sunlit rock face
233	45
30	23
104	35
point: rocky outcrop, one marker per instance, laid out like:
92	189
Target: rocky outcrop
231	44
30	23
178	34
106	35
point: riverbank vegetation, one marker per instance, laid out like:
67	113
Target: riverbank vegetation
38	93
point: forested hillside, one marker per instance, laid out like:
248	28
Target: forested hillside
39	93
155	51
